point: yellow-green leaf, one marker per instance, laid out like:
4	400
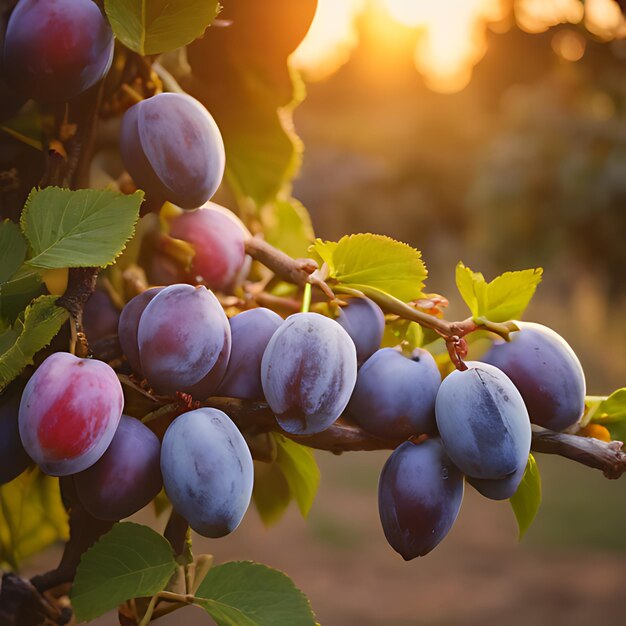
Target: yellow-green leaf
294	475
154	26
271	493
300	470
527	499
609	412
504	298
375	261
32	516
613	408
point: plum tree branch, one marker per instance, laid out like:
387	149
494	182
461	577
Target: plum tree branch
344	436
303	271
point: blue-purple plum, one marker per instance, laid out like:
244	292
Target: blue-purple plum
250	331
13	457
69	412
483	421
364	321
126	477
100	316
419	496
308	373
56	49
128	325
394	396
218	239
546	372
207	471
499	488
184	341
173	149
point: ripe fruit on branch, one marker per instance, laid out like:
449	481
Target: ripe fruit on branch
419	496
13	457
100	316
546	372
207	471
394	396
483	422
499	488
128	325
218	239
364	321
308	373
250	331
184	341
172	148
127	476
69	412
56	49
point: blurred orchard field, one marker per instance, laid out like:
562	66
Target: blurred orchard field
494	133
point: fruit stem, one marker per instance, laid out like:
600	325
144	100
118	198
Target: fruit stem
306	299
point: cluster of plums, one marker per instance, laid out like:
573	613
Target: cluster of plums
55	50
310	369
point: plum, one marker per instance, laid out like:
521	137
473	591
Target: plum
499	488
218	239
173	149
364	321
184	341
483	421
207	471
419	496
126	477
100	316
128	325
55	50
394	396
69	412
308	372
546	372
251	331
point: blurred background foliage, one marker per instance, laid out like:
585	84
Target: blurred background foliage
490	131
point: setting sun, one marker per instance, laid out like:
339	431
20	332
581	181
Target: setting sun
450	35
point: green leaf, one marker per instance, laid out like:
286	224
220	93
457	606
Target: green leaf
81	228
242	593
251	93
527	499
154	26
41	322
300	470
16	294
609	412
613	408
293	475
271	493
287	226
32	516
130	561
375	261
402	331
13	249
504	298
